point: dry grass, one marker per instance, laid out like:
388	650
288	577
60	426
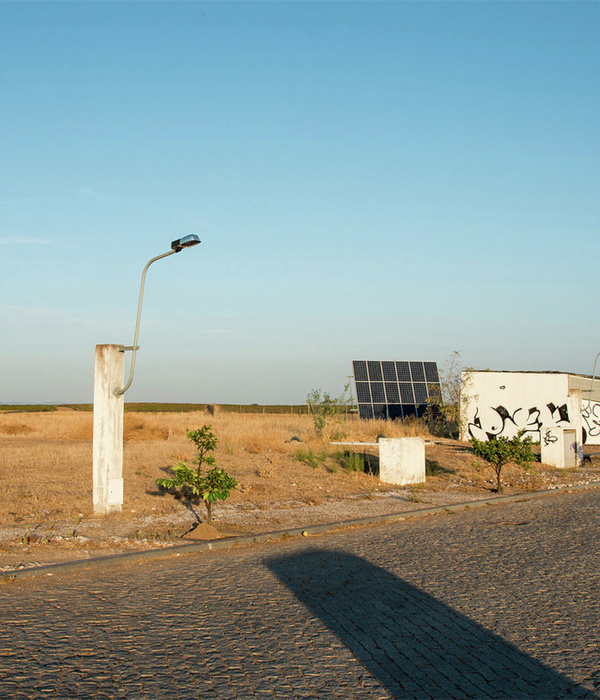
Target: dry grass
60	425
236	429
46	460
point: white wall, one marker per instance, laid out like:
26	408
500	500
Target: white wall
590	414
503	403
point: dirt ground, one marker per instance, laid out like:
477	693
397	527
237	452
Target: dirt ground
287	478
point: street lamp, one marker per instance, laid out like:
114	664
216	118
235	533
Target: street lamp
593	378
176	247
109	406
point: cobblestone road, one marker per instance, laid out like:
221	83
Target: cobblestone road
501	602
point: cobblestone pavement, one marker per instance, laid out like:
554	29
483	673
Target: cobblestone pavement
501	602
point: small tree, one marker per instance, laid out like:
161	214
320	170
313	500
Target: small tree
192	483
501	450
443	406
323	407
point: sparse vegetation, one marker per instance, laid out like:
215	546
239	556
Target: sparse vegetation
413	493
434	468
308	456
324	408
443	407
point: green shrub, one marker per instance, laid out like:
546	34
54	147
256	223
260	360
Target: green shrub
351	461
501	450
194	485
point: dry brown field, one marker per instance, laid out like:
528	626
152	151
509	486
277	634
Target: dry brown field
46	459
46	471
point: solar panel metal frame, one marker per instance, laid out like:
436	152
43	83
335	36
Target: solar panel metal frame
390	389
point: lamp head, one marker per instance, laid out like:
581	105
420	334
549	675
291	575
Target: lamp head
185	242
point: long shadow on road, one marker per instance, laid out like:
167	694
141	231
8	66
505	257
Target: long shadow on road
416	646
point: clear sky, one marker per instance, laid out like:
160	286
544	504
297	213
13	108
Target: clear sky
370	180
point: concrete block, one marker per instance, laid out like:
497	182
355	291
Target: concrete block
402	460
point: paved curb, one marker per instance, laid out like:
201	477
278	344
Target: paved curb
245	540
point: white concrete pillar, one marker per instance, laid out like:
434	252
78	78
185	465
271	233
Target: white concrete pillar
109	373
402	460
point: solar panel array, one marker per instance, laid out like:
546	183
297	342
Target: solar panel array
393	389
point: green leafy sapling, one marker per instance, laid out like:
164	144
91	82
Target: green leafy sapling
499	451
195	485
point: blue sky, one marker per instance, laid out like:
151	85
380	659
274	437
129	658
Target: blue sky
370	180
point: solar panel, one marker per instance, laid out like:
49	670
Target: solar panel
389	371
375	373
378	392
403	370
418	372
394	411
407	392
360	371
393	389
431	372
420	392
392	393
365	410
380	411
363	392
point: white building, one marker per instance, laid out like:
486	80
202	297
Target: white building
503	403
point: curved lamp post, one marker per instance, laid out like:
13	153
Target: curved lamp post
176	247
109	388
593	378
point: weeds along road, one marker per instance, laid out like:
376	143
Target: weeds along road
499	602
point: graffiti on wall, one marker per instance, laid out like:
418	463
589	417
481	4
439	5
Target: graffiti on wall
548	438
590	412
491	422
